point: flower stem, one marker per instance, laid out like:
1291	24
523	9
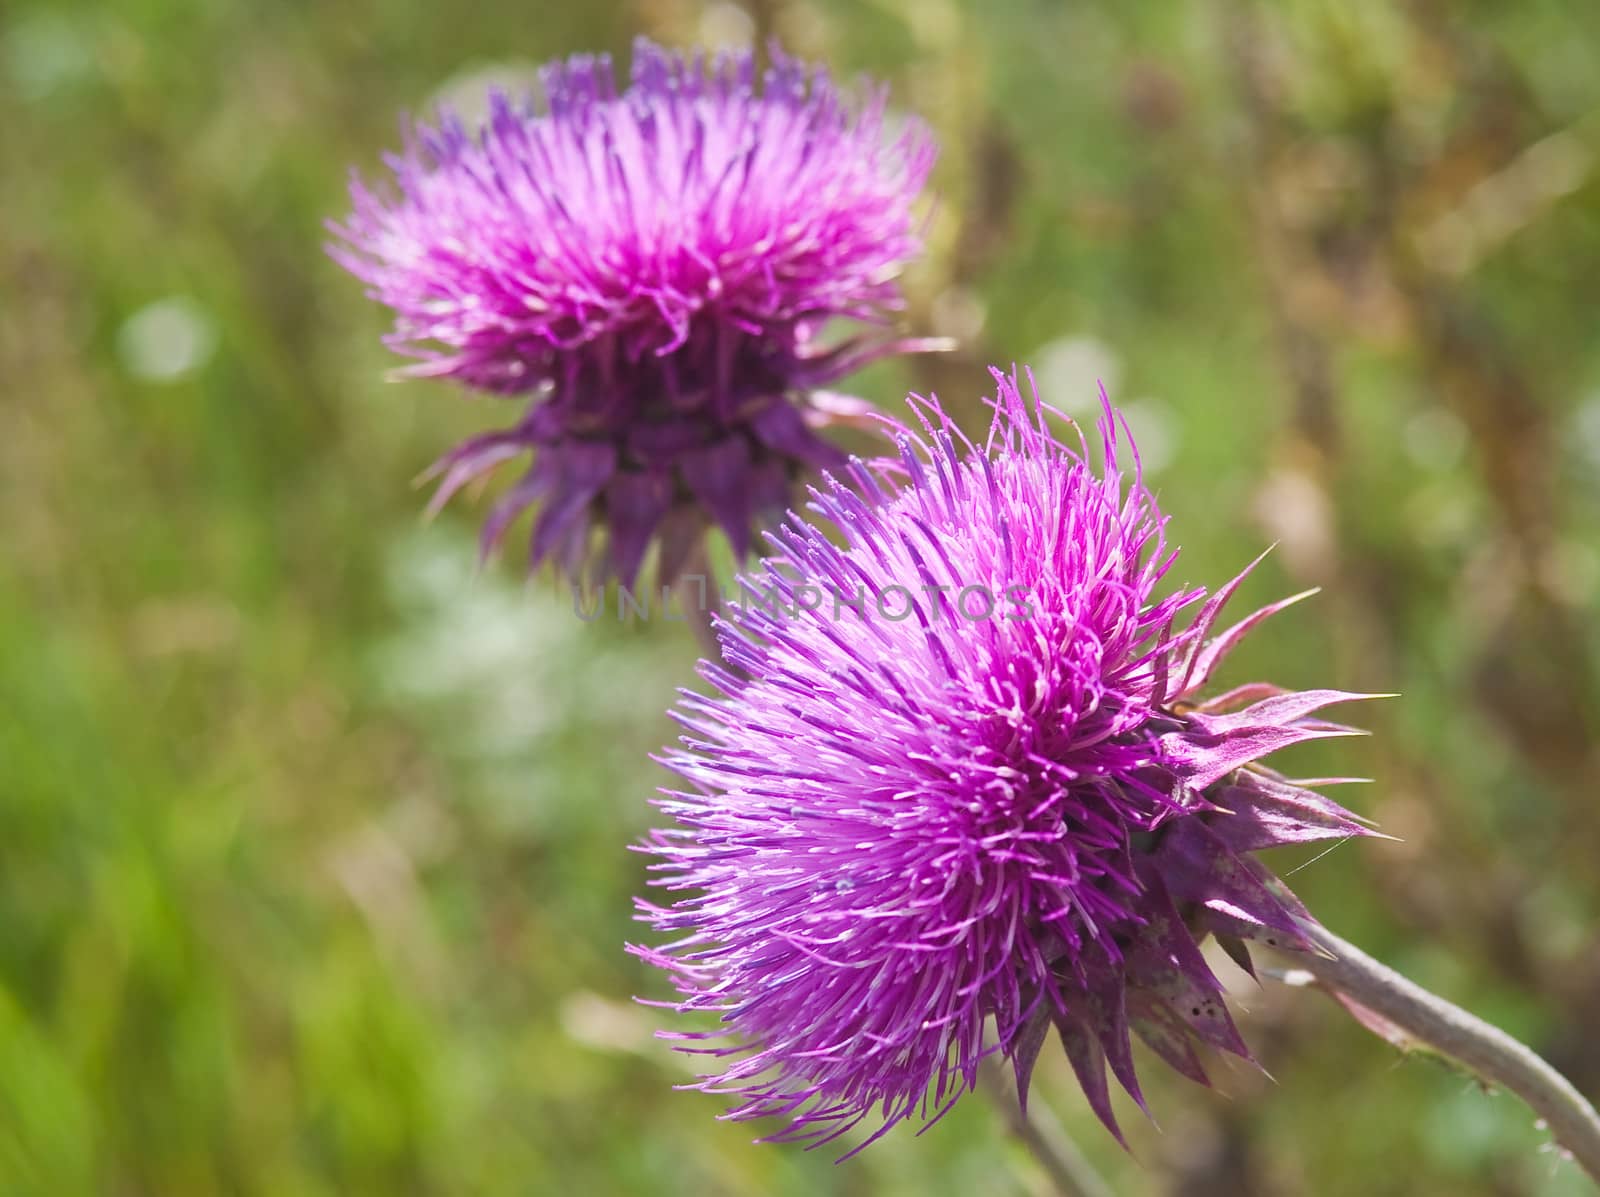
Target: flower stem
1069	1172
1489	1053
699	597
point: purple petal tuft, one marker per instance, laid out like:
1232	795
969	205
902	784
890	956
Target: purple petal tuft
994	799
646	267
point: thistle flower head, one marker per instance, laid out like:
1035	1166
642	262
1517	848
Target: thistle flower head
1005	802
649	268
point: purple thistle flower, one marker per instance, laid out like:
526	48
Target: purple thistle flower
1014	808
650	270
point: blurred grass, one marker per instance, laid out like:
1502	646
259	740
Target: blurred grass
313	840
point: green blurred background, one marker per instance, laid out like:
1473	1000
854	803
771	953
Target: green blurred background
314	868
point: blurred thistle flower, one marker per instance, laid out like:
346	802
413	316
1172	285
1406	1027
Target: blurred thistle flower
650	270
899	829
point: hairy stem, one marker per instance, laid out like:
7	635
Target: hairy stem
700	615
699	598
1486	1051
1070	1173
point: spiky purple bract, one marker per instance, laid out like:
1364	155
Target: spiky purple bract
651	268
899	830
